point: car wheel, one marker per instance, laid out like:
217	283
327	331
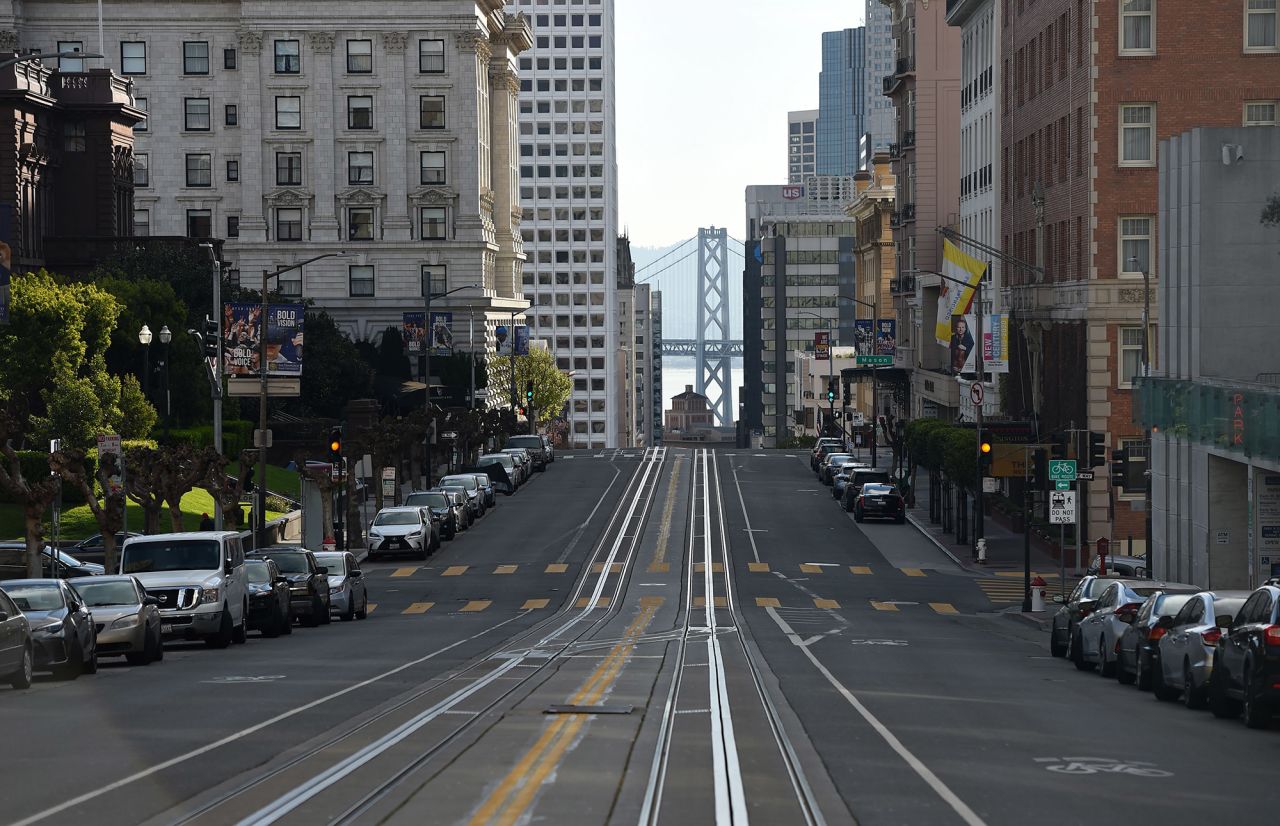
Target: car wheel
1056	648
1143	670
72	667
1220	705
286	623
1105	669
1159	687
22	677
1192	695
223	638
857	515
157	653
326	613
140	657
1255	712
90	663
900	519
363	613
1077	654
241	632
272	628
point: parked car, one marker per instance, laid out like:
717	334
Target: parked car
92	550
1187	648
1131	567
348	592
842	477
467	482
1114	611
270	612
524	459
459	500
1077	605
402	530
825	445
54	564
308	584
536	447
444	509
548	448
860	477
1246	664
1139	646
487	490
126	620
832	463
879	501
199	580
17	649
508	463
61	626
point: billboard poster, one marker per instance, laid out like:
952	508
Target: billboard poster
822	346
995	344
962	344
243	328
413	331
886	337
442	333
864	336
522	341
6	258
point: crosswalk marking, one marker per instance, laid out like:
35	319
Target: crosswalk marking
418	608
371	607
405	571
533	604
505	569
758	567
825	603
476	605
883	606
614	568
556	568
583	602
701	567
912	571
1002	590
943	607
860	569
768	602
809	568
701	602
659	567
455	570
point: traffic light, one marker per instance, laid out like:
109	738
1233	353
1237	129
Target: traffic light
528	393
1097	449
210	337
335	445
1058	445
247	487
1038	469
984	458
1119	467
831	391
848	395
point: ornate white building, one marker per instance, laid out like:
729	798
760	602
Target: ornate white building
386	130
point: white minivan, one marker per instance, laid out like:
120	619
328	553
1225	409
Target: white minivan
199	580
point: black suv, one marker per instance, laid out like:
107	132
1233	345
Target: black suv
308	583
1246	662
536	447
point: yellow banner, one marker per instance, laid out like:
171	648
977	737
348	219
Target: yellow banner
955	299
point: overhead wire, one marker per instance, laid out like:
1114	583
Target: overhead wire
669	252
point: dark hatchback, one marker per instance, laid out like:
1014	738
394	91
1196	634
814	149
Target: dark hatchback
445	512
62	629
879	501
1246	664
308	582
269	599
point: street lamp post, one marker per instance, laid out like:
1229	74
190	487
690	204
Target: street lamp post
425	356
875	384
144	338
165	337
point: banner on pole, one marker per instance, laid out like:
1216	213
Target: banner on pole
241	342
822	346
442	333
886	337
956	299
413	331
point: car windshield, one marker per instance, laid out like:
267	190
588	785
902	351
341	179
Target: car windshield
64	557
876	490
834	458
97	594
336	563
1170	604
525	441
427	500
504	459
468	482
35	597
1095	588
171	555
396	518
1227	606
291	563
259	572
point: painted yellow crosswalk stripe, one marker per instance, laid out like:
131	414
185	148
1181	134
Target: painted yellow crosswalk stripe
701	602
417	608
862	570
943	607
768	602
883	606
912	571
556	568
810	568
476	605
614	568
534	604
758	567
701	567
405	571
825	603
505	569
371	607
583	602
455	570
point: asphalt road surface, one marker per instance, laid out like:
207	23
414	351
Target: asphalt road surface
639	637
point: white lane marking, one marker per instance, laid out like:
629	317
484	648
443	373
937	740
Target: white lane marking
231	738
943	791
755	552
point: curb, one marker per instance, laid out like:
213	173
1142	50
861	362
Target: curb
1029	619
938	544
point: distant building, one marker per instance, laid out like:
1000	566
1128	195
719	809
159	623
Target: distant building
655	350
625	356
802	127
689	413
842	101
877	265
878	62
642	348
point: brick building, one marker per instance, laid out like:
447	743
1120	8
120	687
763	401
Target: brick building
1087	93
690	412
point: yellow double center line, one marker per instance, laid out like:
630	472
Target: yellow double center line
659	564
508	802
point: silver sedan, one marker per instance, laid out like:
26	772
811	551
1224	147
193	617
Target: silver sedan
127	621
1186	649
348	594
1101	630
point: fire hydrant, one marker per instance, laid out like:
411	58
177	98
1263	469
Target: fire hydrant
1037	594
982	552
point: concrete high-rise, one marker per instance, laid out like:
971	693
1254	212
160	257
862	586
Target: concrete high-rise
842	101
802	127
878	62
569	204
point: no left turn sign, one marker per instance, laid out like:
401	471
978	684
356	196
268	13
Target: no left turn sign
976	393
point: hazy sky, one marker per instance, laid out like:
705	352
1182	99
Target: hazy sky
704	87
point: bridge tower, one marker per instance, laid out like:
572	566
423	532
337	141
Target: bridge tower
713	370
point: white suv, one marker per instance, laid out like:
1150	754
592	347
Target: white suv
199	580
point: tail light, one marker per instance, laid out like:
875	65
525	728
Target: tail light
1271	635
1130	610
1155	633
1211	636
1085	610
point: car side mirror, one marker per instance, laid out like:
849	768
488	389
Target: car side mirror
3	616
356	574
148	600
228	565
1224	620
1165	622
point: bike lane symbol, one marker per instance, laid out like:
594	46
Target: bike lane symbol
1101	765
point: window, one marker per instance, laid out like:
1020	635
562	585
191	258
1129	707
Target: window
288	224
1130	355
359	57
435	279
233	226
432	222
431	109
1137	134
359	112
133	57
200	170
195	57
431	166
360	280
141	169
289	112
430	56
196	114
360	224
70	64
288	57
1135	245
1260	113
1260	25
141	223
1137	27
231	116
199	223
288	169
233	169
360	167
228	58
1135	476
141	103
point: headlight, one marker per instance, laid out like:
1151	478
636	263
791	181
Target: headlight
208	595
126	622
52	628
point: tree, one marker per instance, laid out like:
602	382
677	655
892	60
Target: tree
185	266
226	492
156	477
322	478
33	492
551	387
335	371
109	513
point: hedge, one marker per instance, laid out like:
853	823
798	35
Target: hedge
237	435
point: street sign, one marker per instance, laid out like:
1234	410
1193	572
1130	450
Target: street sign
1084	475
859	419
1062	507
1062	486
875	361
388	481
990	484
975	393
1062	470
110	443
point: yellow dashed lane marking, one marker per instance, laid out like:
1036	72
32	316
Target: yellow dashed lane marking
758	568
807	568
825	603
768	602
659	567
417	608
505	569
614	568
701	567
533	604
883	606
556	568
701	602
455	570
371	607
860	569
602	602
405	571
943	607
912	571
476	605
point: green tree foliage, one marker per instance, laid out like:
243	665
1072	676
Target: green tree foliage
551	387
391	360
186	267
335	373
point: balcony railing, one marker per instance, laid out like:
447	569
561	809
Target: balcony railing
895	151
908	212
895	219
889	83
908	139
905	65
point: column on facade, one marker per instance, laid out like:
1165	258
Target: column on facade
324	221
504	88
253	225
397	224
